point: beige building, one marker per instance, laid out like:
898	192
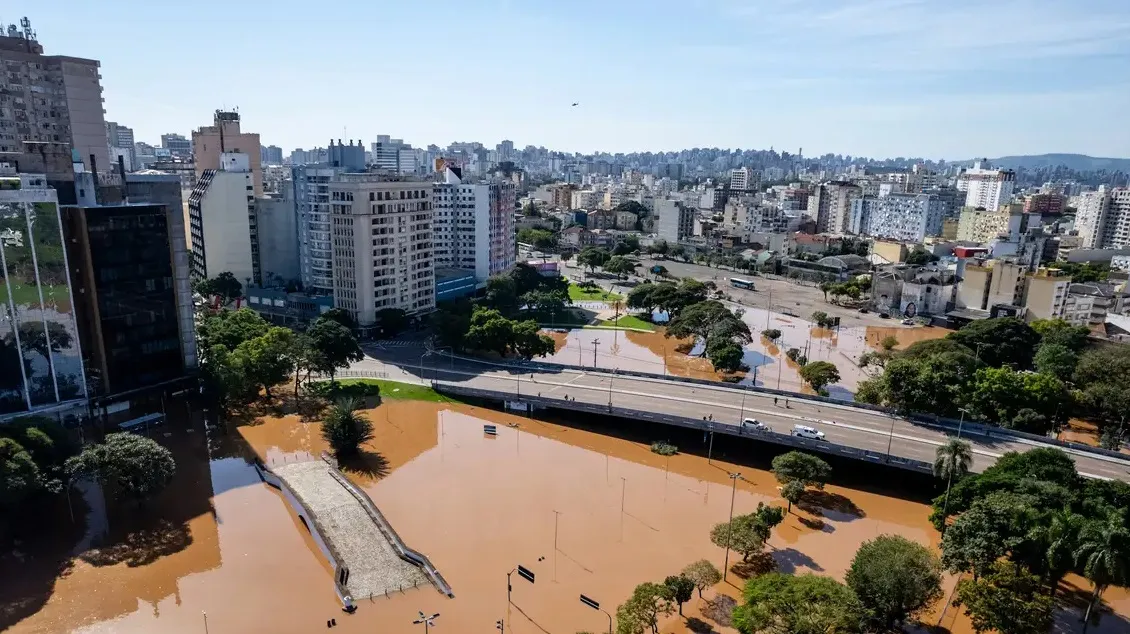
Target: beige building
49	105
224	136
994	282
830	204
223	223
949	228
982	226
893	252
1045	294
381	232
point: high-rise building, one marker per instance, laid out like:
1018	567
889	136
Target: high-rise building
209	143
271	155
474	225
394	155
986	187
121	142
223	224
830	204
348	157
905	217
743	179
40	352
505	150
382	245
983	226
52	104
130	319
177	145
1090	217
676	221
277	226
312	205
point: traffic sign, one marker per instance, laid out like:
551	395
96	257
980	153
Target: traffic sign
526	573
589	602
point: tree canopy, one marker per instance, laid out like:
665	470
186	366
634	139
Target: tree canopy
801	467
778	603
1000	341
133	465
1008	599
225	285
894	579
819	374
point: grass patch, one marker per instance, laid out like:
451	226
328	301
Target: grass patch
630	321
576	293
387	389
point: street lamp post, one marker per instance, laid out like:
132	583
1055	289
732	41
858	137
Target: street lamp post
596	606
891	439
610	377
730	526
427	620
949	480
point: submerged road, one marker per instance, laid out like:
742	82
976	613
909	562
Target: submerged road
843	424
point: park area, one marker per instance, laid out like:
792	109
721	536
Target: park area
589	508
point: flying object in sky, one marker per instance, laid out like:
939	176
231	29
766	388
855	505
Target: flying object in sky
575	103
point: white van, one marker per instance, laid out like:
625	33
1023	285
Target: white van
804	431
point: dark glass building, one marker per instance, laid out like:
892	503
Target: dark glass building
125	294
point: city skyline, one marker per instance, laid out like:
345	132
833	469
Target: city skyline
877	78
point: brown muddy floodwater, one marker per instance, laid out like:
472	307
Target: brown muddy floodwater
588	513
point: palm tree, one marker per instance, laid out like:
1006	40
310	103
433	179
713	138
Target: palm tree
953	459
346	429
1104	554
1062	538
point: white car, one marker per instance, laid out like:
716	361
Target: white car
804	431
755	424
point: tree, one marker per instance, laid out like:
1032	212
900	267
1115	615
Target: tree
981	535
744	535
1062	333
225	285
1000	341
1056	360
1103	375
894	579
134	465
1007	600
776	603
1104	555
919	256
341	316
19	475
528	342
710	321
792	492
642	610
620	265
929	376
821	319
345	429
726	357
229	328
592	257
392	320
703	574
827	287
819	374
1000	394
267	360
772	334
659	270
801	467
502	295
642	296
334	345
681	589
541	239
545	302
953	459
450	322
766	518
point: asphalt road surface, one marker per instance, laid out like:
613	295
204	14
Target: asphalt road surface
843	424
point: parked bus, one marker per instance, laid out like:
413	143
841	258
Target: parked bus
737	282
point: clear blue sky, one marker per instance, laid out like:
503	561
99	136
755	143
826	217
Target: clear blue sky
937	78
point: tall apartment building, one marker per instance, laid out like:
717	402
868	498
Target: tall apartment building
209	143
382	245
983	226
394	155
348	157
312	205
474	225
830	204
1045	203
121	141
743	178
271	155
40	352
49	105
1045	294
676	221
906	217
986	187
223	223
177	145
1102	219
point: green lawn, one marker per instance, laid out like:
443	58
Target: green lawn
576	293
399	391
630	321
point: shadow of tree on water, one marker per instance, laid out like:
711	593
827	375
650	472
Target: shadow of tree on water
790	560
370	464
834	506
759	564
720	609
140	545
698	626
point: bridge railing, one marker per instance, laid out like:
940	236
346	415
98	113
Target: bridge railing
948	425
454	389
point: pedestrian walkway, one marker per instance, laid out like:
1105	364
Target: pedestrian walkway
375	567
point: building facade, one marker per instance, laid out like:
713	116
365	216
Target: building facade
908	217
312	204
676	221
52	104
983	226
277	226
831	206
986	187
1102	219
40	352
382	245
473	225
209	143
223	223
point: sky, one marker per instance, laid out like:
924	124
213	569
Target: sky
952	79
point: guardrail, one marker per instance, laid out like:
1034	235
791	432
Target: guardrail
948	425
692	423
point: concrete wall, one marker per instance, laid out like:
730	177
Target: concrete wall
227	226
277	224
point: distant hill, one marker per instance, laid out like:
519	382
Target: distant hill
1078	162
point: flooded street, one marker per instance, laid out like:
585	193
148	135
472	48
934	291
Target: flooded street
586	512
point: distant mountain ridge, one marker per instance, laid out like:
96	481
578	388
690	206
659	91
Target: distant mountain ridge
1078	162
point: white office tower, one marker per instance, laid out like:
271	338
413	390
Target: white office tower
474	225
222	221
381	231
312	204
743	178
985	186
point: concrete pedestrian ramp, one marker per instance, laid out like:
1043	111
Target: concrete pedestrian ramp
368	557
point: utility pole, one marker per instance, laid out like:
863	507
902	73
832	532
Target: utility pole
556	516
595	343
730	526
